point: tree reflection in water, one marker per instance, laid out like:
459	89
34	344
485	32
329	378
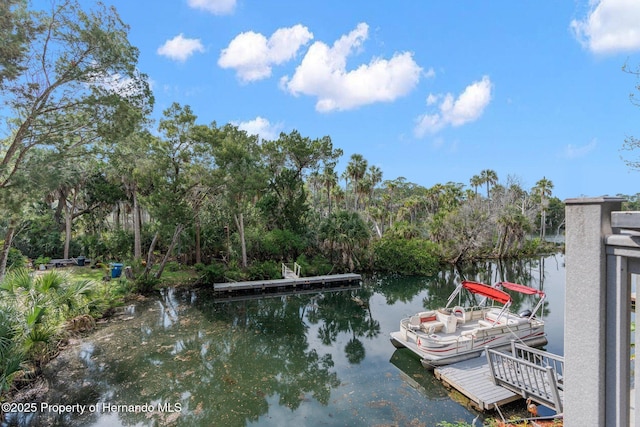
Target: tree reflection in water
315	359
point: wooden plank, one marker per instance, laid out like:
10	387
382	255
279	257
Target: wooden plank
473	379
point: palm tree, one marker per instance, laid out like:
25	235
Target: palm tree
489	177
315	182
347	231
329	179
543	189
345	176
375	177
514	226
476	182
34	310
356	170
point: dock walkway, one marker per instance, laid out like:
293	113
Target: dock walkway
291	283
473	379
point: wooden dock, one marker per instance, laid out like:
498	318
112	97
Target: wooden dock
473	379
287	284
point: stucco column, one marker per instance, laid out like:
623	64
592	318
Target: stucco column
588	220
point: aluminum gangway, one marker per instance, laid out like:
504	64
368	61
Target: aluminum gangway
533	374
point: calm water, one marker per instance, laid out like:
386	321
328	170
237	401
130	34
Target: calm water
313	360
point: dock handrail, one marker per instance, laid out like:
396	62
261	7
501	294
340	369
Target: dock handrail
527	373
289	273
540	357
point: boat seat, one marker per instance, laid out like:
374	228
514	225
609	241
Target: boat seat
431	326
507	318
487	323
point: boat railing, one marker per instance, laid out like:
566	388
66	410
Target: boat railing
530	373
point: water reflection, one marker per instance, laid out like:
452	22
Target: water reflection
307	359
417	377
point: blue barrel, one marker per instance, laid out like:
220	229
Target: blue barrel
116	270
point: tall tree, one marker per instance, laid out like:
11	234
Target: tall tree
289	160
375	176
543	189
129	164
78	78
476	181
16	31
329	180
489	177
177	156
356	170
240	171
71	82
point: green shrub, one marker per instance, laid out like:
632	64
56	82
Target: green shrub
317	266
265	270
415	257
118	244
41	260
93	245
276	244
16	259
172	266
212	273
146	284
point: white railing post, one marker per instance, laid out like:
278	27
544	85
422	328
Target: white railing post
588	221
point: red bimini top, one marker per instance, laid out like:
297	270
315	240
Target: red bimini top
487	291
520	288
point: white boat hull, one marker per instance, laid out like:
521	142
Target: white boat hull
466	340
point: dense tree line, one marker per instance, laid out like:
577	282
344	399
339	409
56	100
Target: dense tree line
84	170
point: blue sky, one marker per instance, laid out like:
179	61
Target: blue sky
431	91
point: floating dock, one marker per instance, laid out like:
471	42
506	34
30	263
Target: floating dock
473	379
499	377
331	281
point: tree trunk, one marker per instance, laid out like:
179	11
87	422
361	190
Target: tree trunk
152	246
137	240
68	221
117	216
240	225
198	248
4	256
174	241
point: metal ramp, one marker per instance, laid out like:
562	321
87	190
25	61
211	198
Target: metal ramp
533	374
288	273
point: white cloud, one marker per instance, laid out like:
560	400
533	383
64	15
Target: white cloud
468	107
252	54
217	7
261	127
572	151
322	73
180	48
611	26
